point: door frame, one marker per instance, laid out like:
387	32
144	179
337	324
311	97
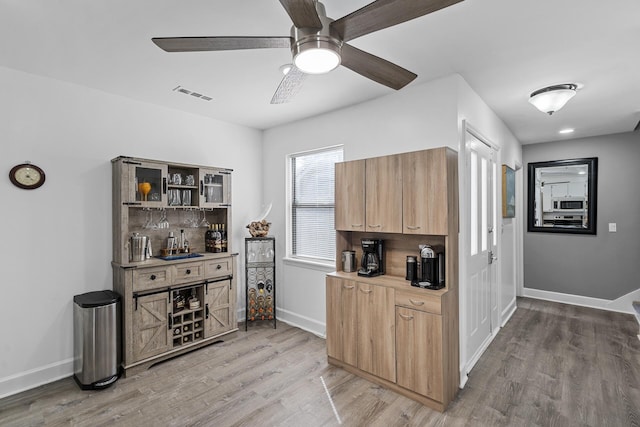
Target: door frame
465	363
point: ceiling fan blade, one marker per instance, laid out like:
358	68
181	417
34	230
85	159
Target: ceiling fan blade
289	86
200	44
303	13
375	68
385	13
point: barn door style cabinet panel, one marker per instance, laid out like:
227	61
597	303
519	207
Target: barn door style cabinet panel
176	296
382	328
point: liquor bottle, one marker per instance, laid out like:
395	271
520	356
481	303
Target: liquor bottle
224	238
217	245
209	240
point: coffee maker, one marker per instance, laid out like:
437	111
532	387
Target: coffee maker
430	269
372	263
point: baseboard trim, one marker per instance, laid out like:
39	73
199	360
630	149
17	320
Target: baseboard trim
299	321
620	305
23	381
511	308
472	362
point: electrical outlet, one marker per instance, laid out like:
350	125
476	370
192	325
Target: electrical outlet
612	227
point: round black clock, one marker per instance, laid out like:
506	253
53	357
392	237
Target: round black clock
27	176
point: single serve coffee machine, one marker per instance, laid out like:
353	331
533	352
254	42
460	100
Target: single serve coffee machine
430	269
372	263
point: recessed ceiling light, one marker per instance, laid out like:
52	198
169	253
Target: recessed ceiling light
285	68
568	130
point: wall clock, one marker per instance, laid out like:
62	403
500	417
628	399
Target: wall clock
27	176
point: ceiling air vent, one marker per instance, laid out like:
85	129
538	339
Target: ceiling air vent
192	93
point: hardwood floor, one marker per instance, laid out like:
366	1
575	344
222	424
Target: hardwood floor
552	364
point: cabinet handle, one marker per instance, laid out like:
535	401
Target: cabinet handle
170	321
405	317
347	287
356	225
416	302
152	277
188	271
164	185
413	227
218	267
206	310
365	291
375	226
201	188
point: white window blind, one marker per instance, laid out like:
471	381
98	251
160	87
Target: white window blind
312	204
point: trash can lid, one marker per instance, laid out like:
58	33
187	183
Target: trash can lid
96	298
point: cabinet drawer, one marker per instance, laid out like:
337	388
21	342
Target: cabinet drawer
218	268
188	272
150	278
417	301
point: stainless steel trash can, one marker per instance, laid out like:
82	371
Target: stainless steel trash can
96	339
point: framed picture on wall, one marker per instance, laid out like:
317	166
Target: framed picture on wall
508	192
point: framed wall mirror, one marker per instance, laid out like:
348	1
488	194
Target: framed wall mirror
562	196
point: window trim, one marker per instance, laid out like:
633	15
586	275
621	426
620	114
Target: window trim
302	261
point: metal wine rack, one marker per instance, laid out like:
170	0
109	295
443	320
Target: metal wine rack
260	295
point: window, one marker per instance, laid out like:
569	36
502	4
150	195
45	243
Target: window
312	231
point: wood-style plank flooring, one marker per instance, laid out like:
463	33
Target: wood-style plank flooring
551	365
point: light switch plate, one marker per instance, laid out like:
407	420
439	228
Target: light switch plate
612	227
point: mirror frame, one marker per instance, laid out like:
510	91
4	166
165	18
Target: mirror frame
592	181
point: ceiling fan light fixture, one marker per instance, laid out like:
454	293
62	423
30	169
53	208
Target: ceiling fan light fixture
316	56
551	99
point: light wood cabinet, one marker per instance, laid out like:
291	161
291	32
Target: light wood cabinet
383	194
428	180
350	196
219	308
157	320
406	337
342	320
406	193
419	352
376	330
368	195
152	334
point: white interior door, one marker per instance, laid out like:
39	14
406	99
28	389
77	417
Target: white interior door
482	312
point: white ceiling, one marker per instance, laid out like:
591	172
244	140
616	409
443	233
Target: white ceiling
504	49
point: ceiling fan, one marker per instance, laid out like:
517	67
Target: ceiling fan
319	44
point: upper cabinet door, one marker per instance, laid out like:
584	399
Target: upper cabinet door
384	194
349	196
215	188
424	192
144	183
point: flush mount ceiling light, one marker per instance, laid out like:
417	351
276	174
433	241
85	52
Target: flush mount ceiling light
551	99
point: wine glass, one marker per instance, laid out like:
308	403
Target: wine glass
144	188
163	223
204	223
149	224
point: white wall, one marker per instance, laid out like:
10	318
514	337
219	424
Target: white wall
415	118
57	239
